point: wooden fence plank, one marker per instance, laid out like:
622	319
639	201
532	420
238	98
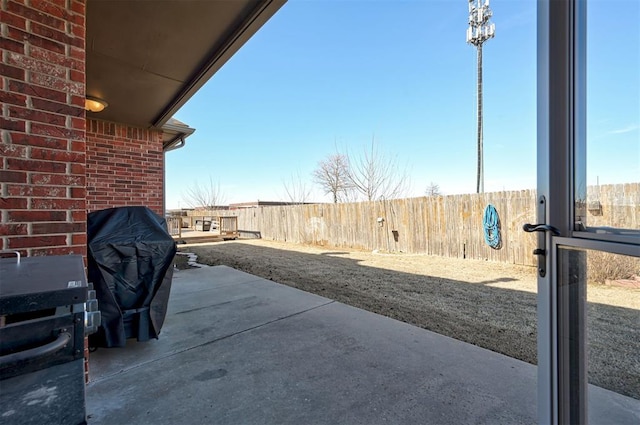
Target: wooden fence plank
449	226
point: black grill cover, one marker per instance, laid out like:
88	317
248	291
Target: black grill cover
130	257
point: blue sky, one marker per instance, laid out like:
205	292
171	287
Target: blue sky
324	74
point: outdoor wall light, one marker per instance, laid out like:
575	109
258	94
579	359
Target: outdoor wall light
94	104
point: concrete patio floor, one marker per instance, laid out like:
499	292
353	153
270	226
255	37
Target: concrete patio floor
239	349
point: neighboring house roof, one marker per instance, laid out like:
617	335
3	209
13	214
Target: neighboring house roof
258	204
147	58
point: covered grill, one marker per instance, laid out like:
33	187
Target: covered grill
130	255
42	329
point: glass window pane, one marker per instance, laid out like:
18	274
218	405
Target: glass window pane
606	328
612	172
613	322
613	335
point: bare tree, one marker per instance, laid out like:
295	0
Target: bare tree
204	195
296	189
433	189
375	175
332	175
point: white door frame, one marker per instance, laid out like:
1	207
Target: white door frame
561	182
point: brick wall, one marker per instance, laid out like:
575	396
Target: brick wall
125	166
42	122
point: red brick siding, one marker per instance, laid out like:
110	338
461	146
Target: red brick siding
42	124
125	166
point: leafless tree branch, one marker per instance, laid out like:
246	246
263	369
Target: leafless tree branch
296	190
332	174
433	189
204	195
375	176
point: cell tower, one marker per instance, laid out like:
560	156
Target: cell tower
479	31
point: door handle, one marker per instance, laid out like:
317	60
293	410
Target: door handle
540	228
541	250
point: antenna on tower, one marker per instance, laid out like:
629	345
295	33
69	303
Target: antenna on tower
479	31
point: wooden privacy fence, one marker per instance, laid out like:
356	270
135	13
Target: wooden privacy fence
448	226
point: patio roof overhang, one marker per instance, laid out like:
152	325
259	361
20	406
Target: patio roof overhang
146	59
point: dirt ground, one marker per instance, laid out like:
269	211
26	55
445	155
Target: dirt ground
492	305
